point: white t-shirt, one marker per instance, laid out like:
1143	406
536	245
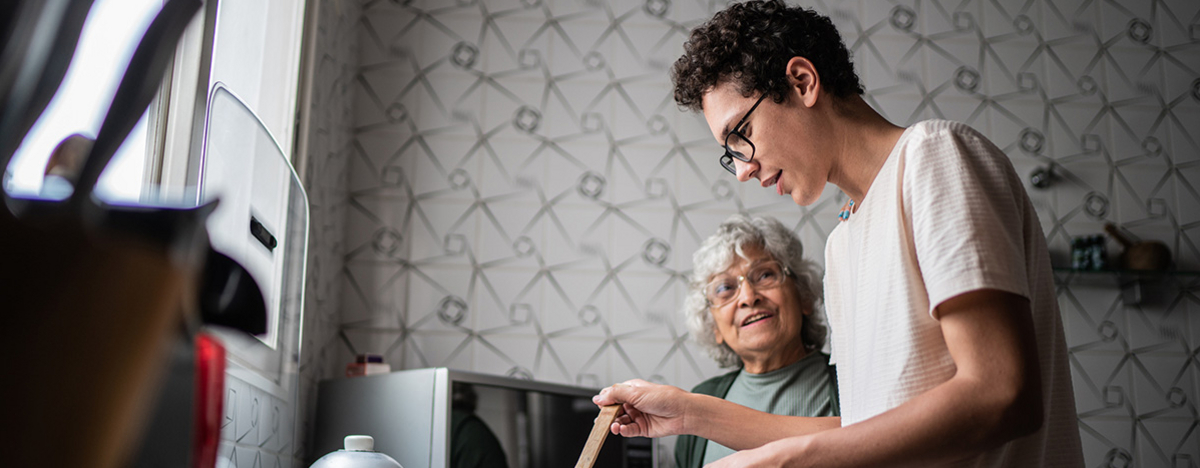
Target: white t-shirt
946	215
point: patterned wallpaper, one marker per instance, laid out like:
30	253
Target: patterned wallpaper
522	197
330	143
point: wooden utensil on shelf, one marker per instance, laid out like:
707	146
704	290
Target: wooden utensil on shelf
1140	255
595	440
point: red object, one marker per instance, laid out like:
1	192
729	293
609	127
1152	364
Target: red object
210	393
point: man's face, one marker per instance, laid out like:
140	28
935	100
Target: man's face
785	154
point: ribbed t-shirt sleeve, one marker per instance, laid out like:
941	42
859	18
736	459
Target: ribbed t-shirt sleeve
963	203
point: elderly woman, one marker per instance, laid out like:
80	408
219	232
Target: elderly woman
752	304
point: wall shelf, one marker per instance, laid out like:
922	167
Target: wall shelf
1136	286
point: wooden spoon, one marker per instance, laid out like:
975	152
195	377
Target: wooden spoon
600	431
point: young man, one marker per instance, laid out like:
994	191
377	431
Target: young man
945	326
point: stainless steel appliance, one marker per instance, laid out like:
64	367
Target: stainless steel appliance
411	413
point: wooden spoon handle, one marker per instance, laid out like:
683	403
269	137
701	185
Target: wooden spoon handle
1116	233
595	440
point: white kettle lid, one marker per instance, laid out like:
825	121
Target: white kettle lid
359	452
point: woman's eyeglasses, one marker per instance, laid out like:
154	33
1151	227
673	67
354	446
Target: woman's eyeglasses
736	143
724	287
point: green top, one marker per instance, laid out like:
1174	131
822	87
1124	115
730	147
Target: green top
472	444
807	387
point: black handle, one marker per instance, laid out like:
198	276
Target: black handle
35	55
141	81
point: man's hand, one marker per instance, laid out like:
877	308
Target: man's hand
651	410
775	454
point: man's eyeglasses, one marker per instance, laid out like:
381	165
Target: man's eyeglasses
724	287
737	146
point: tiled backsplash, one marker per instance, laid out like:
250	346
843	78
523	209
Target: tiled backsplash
258	427
506	186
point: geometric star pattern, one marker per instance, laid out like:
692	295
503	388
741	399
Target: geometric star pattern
506	186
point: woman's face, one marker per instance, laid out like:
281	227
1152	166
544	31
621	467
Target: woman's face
761	325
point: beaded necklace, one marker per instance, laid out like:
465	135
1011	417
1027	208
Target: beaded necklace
845	213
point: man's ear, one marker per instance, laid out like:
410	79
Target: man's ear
806	84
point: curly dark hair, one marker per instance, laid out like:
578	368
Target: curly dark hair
751	44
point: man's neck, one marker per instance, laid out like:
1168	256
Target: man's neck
866	139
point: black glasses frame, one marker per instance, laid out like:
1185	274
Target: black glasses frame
730	155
